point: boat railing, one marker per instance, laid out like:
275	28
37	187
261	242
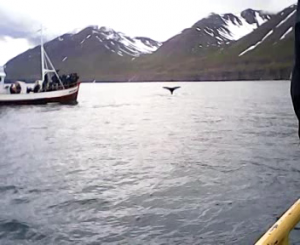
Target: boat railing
66	86
58	87
279	233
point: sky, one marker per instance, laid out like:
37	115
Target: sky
20	20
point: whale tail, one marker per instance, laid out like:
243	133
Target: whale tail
171	89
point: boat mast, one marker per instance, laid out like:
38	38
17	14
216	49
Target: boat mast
42	55
45	60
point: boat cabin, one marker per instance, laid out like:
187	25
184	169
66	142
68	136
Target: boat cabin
2	75
2	78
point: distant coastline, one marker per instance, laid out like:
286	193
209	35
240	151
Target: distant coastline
163	81
186	81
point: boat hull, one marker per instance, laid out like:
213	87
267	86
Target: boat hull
66	96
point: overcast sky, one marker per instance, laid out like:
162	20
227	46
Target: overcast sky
158	19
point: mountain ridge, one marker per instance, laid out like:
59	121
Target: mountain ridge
253	44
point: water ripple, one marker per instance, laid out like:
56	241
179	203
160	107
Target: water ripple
131	164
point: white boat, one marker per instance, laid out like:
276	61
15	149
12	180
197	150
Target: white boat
50	89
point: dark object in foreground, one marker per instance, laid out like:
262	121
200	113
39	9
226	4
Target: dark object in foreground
171	89
295	83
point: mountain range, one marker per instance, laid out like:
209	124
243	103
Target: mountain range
251	45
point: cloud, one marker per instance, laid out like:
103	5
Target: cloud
18	27
11	47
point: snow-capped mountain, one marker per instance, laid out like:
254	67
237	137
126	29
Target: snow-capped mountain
214	32
119	43
237	26
228	27
273	33
115	42
90	49
252	44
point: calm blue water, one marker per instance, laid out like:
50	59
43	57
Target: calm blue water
216	163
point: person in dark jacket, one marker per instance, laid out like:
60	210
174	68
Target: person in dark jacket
295	83
45	83
36	87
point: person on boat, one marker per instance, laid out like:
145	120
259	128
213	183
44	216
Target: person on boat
63	78
45	85
73	79
29	90
15	88
295	83
54	79
36	87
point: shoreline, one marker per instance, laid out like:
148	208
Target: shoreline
9	81
225	81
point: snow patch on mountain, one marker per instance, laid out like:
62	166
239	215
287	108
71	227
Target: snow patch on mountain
217	30
286	33
133	46
258	43
238	27
286	19
260	20
235	31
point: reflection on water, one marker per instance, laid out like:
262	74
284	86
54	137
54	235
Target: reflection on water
216	163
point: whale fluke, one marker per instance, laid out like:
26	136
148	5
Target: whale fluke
295	83
171	89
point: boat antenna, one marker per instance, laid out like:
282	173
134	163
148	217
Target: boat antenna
42	54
